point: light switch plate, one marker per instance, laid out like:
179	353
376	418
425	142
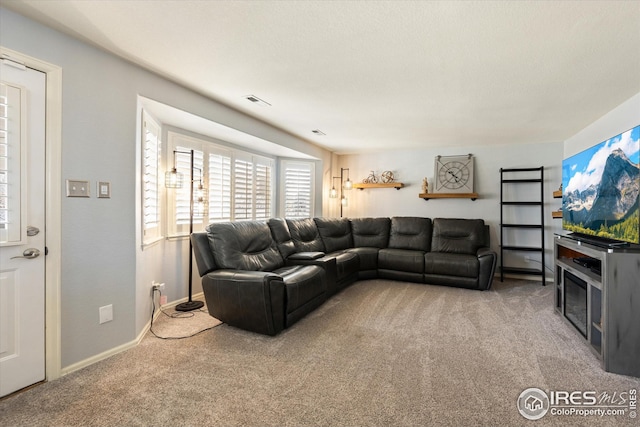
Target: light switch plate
104	190
76	188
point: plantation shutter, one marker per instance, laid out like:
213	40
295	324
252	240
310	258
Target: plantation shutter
182	195
262	190
297	178
151	230
219	187
243	189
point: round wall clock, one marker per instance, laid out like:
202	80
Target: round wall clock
453	174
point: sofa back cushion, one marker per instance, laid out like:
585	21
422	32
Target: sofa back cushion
335	233
460	236
305	236
245	245
370	232
282	236
410	233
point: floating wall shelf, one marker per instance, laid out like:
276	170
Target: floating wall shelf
396	185
428	196
557	195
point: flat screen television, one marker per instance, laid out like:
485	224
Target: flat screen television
600	188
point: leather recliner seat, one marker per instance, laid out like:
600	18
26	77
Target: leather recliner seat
264	277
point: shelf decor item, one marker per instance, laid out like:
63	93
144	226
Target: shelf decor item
387	177
453	174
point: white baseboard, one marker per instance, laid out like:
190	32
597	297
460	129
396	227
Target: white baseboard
123	347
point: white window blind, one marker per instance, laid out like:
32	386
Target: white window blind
243	189
239	185
183	195
151	146
219	187
297	180
262	196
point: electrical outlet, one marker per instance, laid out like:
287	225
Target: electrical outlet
157	286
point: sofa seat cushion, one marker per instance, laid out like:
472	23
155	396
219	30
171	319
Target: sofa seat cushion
401	259
451	264
368	257
303	283
347	263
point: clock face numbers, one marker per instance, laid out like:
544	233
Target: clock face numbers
453	175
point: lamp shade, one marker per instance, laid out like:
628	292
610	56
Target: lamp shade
173	179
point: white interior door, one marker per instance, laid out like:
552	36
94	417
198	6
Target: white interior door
22	227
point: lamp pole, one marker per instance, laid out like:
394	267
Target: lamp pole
190	305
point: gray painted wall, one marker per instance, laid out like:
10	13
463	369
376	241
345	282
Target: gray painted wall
411	166
623	117
101	259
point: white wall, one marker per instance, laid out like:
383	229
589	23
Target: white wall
101	260
411	166
622	118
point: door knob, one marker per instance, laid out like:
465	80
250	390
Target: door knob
30	253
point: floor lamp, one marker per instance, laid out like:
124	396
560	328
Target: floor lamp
344	185
173	179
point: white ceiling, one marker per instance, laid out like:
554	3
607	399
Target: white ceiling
380	75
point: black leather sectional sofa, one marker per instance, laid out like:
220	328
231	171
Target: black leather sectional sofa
265	276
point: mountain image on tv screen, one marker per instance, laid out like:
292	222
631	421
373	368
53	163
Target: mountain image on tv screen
600	188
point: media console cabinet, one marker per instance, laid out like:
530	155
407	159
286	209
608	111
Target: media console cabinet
597	291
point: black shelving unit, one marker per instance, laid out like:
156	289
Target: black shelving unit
510	177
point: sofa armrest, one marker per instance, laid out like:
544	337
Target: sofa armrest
305	256
328	264
487	259
251	300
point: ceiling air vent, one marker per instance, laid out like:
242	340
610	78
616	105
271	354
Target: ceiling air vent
318	132
254	99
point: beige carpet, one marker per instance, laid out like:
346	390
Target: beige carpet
380	353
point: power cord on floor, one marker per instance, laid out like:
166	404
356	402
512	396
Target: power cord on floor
176	315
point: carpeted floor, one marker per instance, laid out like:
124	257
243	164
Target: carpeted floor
380	353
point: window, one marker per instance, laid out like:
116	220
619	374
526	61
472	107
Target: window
262	197
239	185
219	187
297	178
151	146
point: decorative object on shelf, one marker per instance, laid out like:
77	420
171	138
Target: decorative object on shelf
344	185
453	174
175	179
371	179
387	177
425	186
